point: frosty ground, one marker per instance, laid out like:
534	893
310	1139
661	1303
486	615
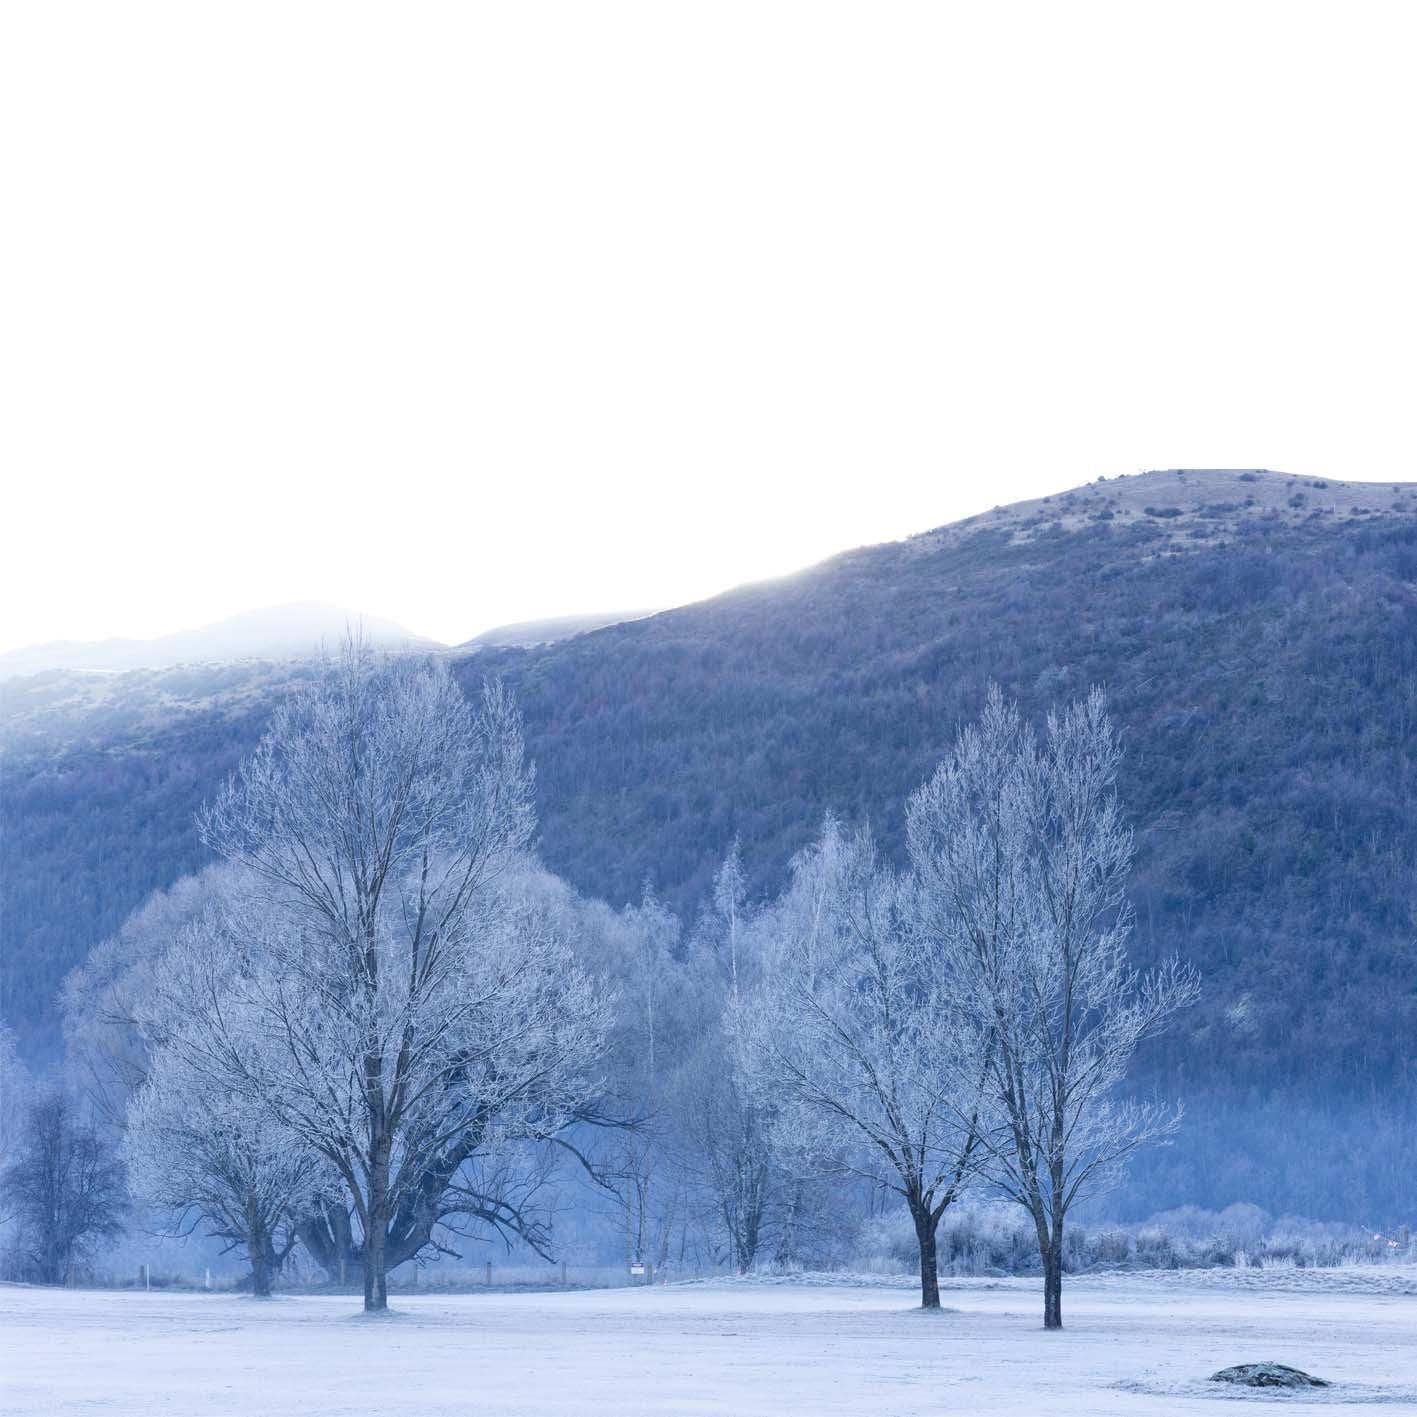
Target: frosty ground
1136	1344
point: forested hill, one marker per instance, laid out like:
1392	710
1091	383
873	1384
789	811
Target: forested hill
1257	634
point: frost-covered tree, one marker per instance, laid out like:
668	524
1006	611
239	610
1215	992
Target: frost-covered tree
848	1036
63	1187
204	1156
726	1149
723	1130
136	1025
1020	860
408	1017
200	1149
137	1021
649	1043
109	1001
730	904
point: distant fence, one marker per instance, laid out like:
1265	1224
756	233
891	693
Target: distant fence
489	1274
436	1278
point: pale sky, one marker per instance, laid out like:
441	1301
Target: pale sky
481	312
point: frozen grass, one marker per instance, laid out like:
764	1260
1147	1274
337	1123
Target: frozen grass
1136	1344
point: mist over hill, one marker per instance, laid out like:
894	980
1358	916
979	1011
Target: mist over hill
279	632
1257	635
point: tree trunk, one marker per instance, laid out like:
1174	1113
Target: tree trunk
329	1239
748	1248
925	1232
261	1270
1053	1285
258	1248
376	1287
376	1281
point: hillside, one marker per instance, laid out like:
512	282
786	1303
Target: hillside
1257	634
527	633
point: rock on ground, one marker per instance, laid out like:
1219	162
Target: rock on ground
1266	1375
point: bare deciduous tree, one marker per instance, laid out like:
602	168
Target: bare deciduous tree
1020	860
410	1018
850	1037
206	1156
726	1150
137	1024
64	1186
635	1166
730	904
725	1132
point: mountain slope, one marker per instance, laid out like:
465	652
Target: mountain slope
527	633
1258	637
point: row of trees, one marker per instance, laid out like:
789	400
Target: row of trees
971	1018
377	1024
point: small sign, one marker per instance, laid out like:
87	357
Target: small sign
637	1268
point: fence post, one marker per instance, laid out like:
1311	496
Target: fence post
563	1274
489	1274
208	1282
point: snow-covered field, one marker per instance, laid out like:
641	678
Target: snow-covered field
1136	1344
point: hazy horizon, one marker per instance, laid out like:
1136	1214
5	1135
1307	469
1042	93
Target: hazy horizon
177	626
